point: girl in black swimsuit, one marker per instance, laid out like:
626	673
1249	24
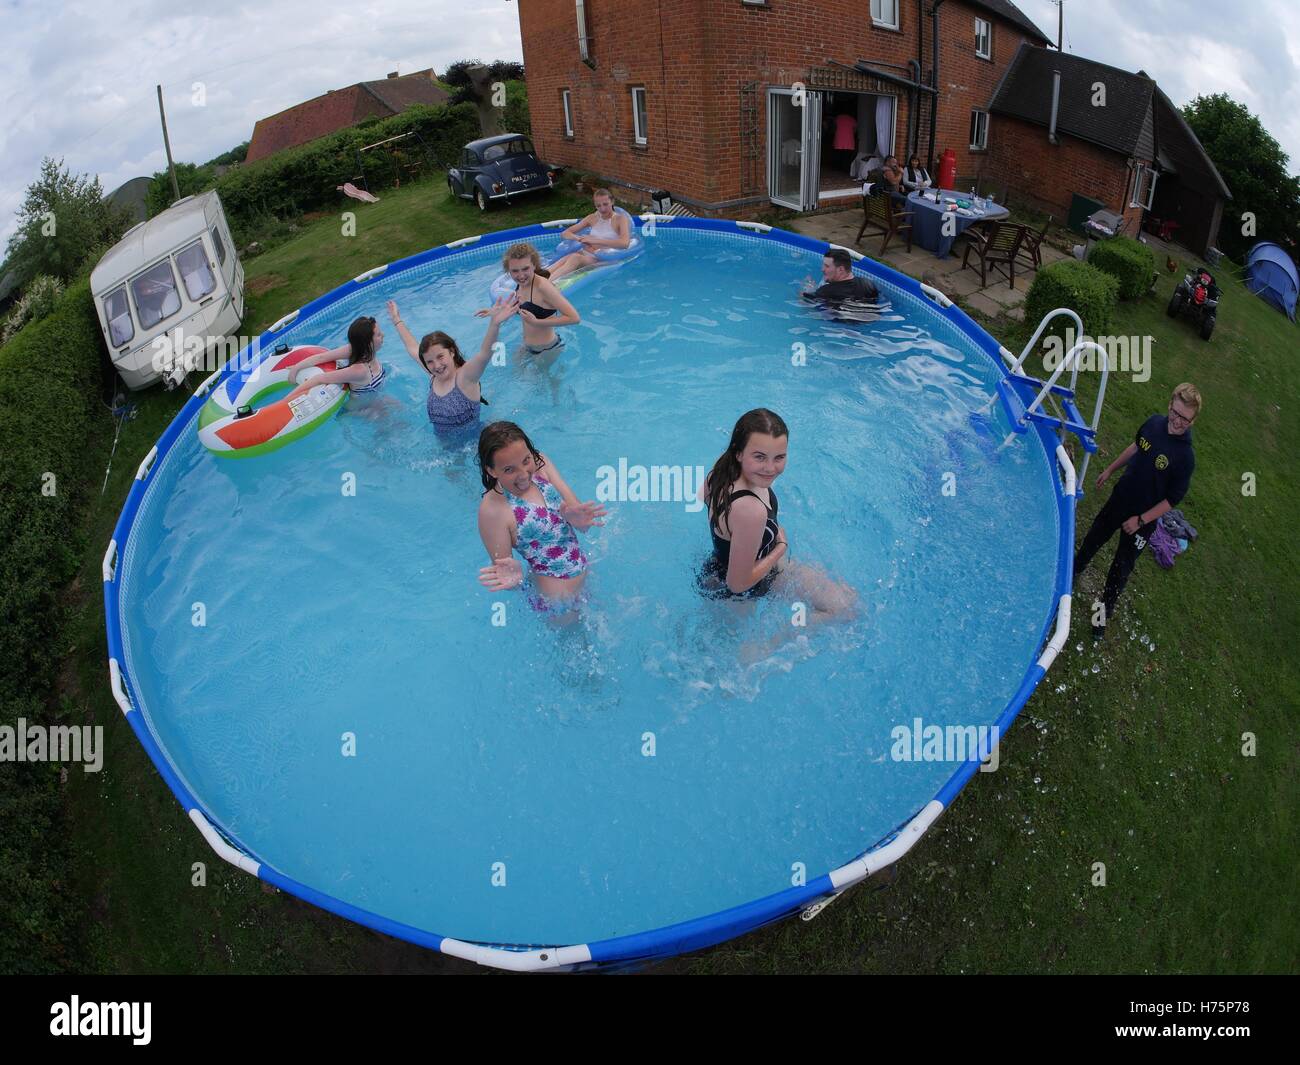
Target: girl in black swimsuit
743	509
750	547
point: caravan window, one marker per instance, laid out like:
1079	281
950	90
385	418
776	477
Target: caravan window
155	294
196	271
118	316
221	248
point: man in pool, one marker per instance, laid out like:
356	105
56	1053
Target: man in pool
840	282
1157	472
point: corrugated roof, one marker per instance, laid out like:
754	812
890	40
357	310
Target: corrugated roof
1026	92
340	108
1181	147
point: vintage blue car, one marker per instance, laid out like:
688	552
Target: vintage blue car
497	168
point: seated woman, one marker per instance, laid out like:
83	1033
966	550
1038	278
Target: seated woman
890	178
915	176
455	393
364	373
528	507
542	307
607	230
750	548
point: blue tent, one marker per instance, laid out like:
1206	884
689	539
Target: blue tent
1271	274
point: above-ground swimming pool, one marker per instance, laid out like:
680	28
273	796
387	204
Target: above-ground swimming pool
300	641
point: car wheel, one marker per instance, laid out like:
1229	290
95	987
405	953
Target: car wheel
480	198
1207	327
1175	305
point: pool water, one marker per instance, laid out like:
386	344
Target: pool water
312	649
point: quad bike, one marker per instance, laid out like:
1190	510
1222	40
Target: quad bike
1196	296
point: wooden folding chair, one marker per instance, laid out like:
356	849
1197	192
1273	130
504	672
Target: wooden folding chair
879	213
996	247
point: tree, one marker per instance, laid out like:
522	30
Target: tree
191	179
1255	169
62	218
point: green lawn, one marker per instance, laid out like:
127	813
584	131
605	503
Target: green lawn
1137	765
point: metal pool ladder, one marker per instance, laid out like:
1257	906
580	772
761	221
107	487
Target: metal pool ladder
1025	398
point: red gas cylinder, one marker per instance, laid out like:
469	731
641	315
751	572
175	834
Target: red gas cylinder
947	170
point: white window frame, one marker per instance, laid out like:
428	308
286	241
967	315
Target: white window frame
882	19
980	146
984	30
220	246
566	101
584	39
638	123
1138	171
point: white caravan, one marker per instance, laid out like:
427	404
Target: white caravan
171	289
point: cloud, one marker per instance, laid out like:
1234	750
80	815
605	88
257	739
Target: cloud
79	79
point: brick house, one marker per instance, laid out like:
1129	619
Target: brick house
702	97
1117	140
339	108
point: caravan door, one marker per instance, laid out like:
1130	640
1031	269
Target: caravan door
794	144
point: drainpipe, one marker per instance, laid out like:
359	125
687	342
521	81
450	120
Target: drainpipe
1056	106
934	74
914	107
915	146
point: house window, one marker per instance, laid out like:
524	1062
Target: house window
1144	187
220	246
983	38
155	294
979	130
638	115
885	13
584	38
567	99
118	315
196	271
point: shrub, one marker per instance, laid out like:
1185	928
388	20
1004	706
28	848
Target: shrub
1130	262
306	178
1083	288
50	380
36	302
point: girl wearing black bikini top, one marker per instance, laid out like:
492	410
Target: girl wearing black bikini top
750	547
748	542
541	307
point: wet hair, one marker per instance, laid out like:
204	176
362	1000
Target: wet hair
840	258
443	340
493	438
726	471
361	339
525	251
602	192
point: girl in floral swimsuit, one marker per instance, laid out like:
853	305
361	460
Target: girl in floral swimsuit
528	507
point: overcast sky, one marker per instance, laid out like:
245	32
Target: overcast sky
78	81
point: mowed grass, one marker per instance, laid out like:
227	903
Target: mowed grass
1137	765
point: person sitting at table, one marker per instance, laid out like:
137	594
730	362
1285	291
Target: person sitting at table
890	179
841	283
915	176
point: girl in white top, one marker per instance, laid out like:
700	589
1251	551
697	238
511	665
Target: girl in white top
608	230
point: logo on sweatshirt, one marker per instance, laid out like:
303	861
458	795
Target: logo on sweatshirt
1162	462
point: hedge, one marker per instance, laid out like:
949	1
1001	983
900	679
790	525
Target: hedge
50	383
1130	262
1083	288
306	178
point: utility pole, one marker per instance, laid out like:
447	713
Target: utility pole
176	189
1060	24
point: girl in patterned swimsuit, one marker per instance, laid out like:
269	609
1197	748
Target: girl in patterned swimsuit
528	507
454	389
